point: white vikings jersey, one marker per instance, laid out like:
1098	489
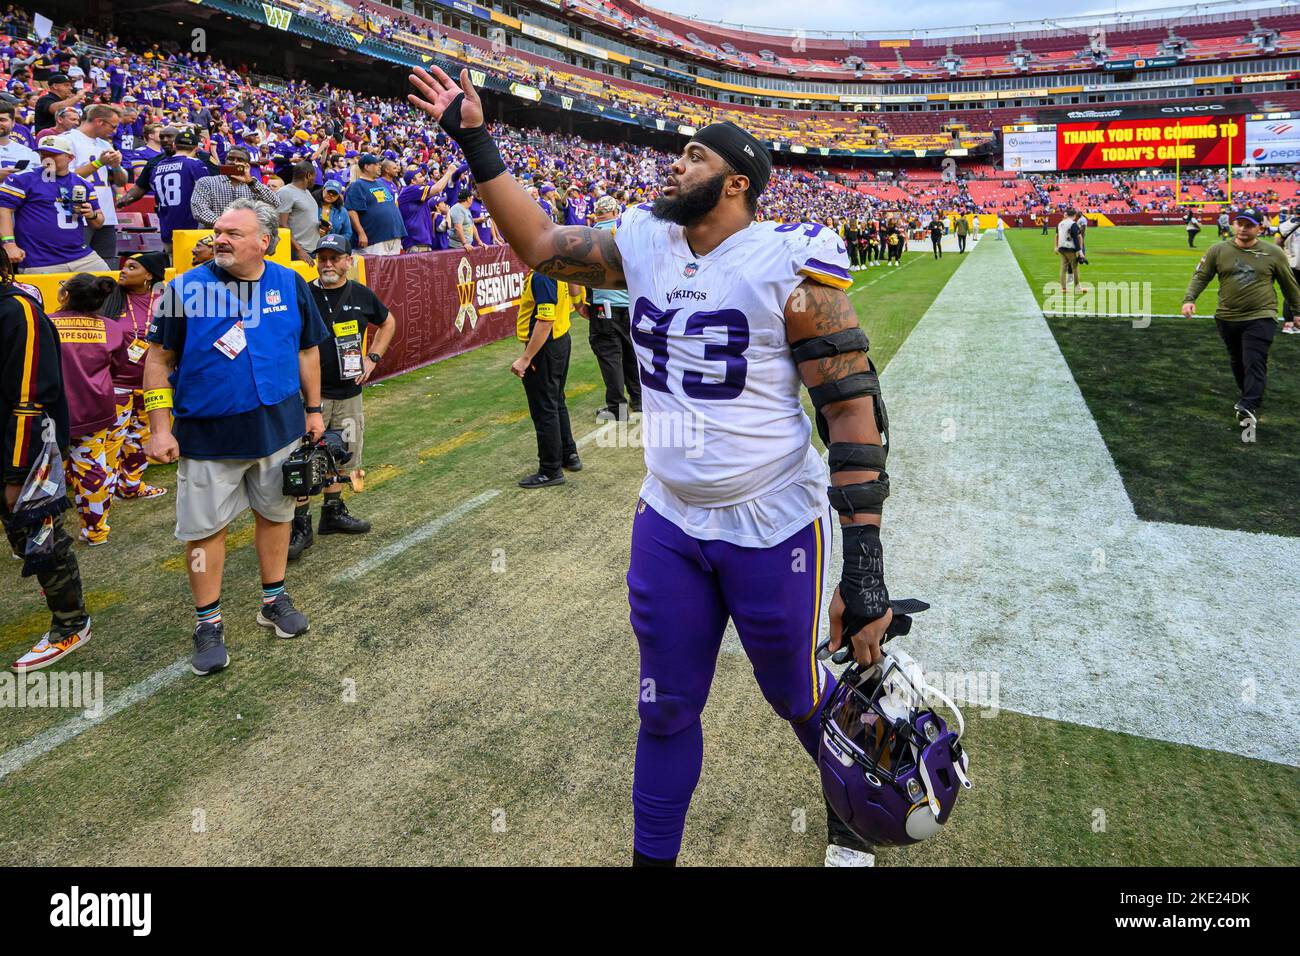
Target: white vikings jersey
727	443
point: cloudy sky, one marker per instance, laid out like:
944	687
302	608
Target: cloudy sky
876	16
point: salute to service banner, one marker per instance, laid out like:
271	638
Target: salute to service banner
1125	144
446	303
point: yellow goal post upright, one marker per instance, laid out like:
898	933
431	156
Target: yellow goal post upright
1178	174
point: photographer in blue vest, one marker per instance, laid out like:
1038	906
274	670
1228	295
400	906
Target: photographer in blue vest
234	358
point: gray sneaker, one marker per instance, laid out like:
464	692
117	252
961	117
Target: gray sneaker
280	614
209	649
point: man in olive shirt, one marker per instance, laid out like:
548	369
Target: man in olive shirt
1247	309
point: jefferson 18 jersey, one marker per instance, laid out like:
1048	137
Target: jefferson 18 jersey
727	443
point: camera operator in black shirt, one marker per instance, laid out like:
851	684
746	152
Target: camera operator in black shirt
346	363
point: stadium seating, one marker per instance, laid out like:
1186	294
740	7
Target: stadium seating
822	58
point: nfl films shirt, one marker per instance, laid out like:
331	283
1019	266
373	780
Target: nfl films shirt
245	405
341	308
47	229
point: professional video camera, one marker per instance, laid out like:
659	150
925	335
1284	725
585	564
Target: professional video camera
315	465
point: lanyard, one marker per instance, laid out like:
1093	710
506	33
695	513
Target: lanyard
344	299
130	313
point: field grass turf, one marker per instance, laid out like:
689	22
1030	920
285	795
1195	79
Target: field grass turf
1162	395
1121	254
472	700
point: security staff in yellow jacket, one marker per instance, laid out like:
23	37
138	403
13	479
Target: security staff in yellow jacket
543	327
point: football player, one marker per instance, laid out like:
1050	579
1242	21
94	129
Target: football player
729	315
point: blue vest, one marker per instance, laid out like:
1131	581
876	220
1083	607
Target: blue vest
208	383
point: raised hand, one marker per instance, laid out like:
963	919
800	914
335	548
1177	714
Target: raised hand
437	91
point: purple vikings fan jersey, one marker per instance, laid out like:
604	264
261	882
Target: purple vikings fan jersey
727	443
50	232
172	183
575	213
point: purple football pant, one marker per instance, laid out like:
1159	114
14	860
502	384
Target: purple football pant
682	590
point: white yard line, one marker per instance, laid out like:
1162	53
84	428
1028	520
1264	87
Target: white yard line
48	740
412	538
886	271
1009	515
60	734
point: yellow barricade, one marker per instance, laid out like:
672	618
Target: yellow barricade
47	283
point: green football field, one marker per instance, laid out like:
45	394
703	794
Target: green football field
466	694
1162	393
1154	263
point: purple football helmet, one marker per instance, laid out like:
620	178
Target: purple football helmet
890	766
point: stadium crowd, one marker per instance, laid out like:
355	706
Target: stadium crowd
89	126
281	124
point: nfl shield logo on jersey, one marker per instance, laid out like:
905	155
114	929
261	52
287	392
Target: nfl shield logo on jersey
691	269
272	296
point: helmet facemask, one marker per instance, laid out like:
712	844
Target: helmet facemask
890	764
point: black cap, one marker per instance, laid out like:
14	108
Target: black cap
187	137
155	263
334	243
58	78
740	149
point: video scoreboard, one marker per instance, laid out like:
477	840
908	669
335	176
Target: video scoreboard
1160	142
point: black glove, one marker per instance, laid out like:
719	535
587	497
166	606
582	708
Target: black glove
475	142
899	625
863	591
862	582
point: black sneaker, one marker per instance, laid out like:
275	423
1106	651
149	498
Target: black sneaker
541	481
209	649
573	463
300	536
334	519
1245	417
280	614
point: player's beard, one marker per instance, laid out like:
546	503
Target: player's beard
688	208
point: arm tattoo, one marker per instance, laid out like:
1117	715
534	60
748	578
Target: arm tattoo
814	310
585	256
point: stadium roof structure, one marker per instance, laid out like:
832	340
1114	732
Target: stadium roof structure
1217	11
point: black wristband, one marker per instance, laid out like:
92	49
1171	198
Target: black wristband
862	582
485	162
313	409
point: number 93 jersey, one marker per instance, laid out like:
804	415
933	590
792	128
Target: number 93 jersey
727	443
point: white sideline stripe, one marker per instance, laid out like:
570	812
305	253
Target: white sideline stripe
1005	494
886	271
420	534
47	740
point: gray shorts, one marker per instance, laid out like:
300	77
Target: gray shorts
211	493
346	415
